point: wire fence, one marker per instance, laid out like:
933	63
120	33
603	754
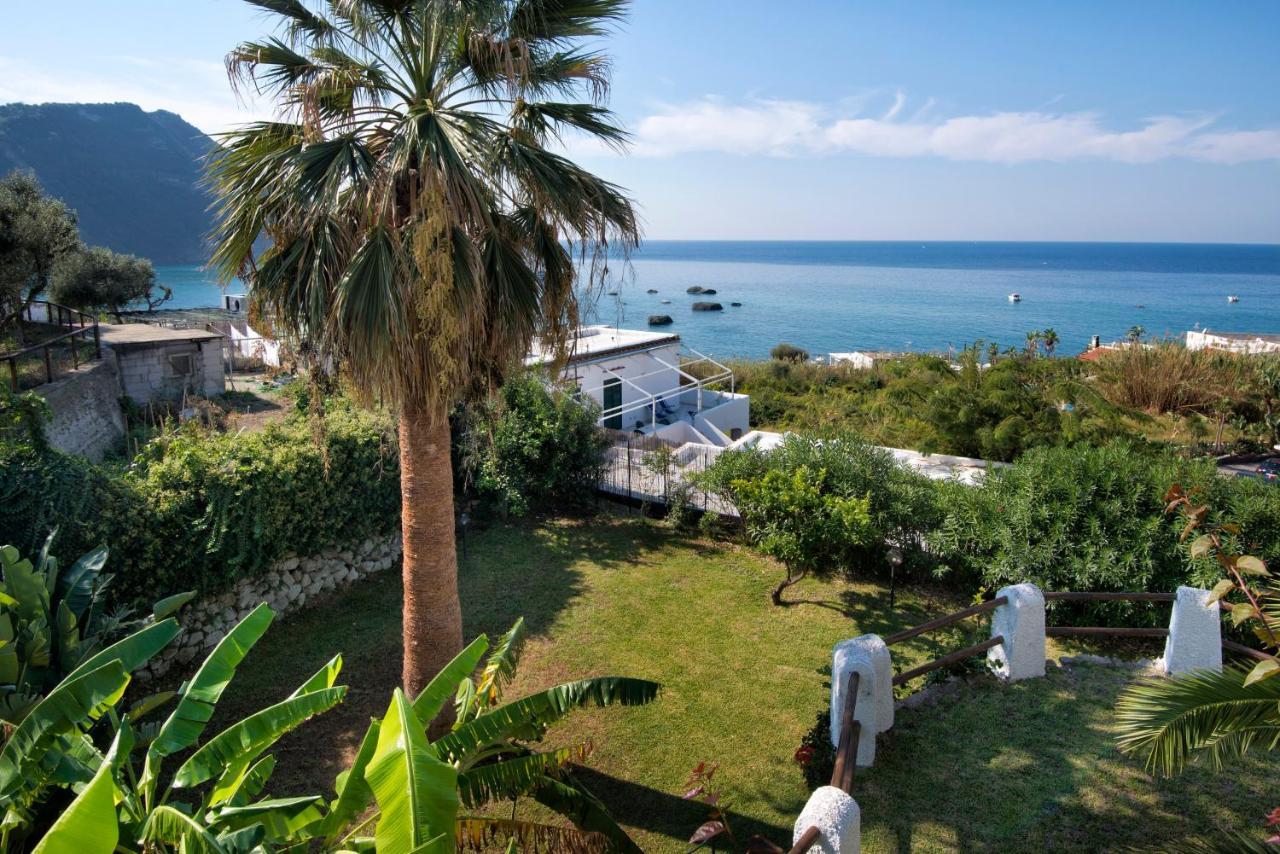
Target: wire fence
648	470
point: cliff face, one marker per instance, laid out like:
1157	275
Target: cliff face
132	177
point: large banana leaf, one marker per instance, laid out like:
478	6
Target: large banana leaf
88	825
134	650
248	738
529	717
76	585
513	776
353	789
572	800
183	727
323	678
438	691
283	818
170	826
498	670
416	792
242	782
26	584
74	703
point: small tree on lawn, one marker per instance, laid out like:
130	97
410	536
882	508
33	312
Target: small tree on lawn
791	516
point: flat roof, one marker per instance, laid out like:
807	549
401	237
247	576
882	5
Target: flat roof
1242	336
142	334
594	342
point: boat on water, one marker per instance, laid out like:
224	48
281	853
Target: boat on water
1015	297
1233	298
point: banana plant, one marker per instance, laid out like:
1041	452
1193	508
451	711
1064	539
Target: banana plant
402	794
491	749
52	619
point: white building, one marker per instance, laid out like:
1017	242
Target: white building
1233	342
642	382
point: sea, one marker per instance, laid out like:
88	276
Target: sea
915	296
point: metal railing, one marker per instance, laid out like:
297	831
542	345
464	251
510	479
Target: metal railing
82	327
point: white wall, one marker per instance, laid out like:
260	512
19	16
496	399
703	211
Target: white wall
632	366
147	372
733	413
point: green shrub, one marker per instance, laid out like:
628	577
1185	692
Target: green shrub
1092	519
528	445
785	352
198	511
901	504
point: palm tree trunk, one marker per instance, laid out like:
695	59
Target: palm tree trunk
432	612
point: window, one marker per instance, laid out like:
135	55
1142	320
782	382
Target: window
183	364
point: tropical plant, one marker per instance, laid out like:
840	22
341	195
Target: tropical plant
401	787
53	619
1033	343
422	231
1049	337
1215	714
1135	333
95	278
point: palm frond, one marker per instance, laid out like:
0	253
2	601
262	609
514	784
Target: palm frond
508	777
1170	721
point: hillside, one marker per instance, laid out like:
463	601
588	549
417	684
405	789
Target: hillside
131	176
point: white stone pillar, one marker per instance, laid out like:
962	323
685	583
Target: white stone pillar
838	819
1021	622
1195	633
869	657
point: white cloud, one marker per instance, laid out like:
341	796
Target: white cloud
793	128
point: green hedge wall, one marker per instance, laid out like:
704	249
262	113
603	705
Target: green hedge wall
198	511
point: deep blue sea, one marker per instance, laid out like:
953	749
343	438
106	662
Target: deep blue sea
919	296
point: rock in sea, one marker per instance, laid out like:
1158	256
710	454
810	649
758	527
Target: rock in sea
696	289
660	319
707	306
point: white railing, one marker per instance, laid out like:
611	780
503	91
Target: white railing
651	400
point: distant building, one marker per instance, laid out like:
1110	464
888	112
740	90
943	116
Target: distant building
643	384
862	358
1234	342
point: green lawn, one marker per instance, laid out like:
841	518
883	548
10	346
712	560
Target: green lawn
994	767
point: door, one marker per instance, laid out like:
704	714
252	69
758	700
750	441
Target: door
613	401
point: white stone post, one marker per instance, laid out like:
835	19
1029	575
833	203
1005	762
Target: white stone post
869	657
838	819
1021	622
1195	633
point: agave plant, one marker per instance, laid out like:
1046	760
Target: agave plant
52	620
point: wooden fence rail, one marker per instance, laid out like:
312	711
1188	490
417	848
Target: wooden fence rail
82	326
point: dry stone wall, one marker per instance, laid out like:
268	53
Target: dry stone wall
287	586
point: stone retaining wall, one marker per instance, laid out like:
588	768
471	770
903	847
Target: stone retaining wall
286	587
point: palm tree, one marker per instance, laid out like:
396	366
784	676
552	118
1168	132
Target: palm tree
422	232
1135	333
1033	343
1050	339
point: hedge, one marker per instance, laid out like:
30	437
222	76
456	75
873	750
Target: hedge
198	511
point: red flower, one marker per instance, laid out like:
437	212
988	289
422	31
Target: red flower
804	755
1273	817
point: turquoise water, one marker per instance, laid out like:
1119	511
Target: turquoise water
919	296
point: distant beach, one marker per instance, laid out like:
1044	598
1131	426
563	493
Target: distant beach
916	296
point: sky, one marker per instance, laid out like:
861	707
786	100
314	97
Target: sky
834	120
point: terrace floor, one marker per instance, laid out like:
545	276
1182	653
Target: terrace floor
993	767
